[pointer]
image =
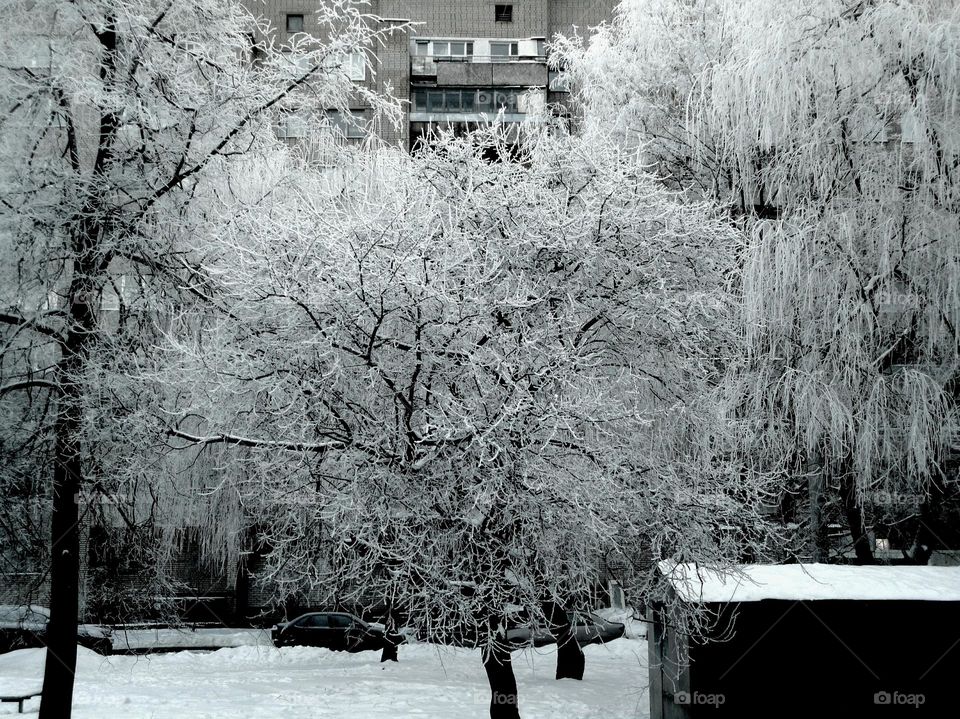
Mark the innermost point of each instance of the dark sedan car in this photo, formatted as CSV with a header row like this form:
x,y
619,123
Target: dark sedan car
x,y
333,630
588,628
23,626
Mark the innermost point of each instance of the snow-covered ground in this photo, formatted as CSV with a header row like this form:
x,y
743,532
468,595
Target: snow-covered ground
x,y
261,682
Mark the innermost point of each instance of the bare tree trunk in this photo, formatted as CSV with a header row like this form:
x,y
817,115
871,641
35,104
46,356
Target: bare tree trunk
x,y
926,539
61,637
389,653
503,683
241,590
390,638
249,558
570,659
854,515
819,538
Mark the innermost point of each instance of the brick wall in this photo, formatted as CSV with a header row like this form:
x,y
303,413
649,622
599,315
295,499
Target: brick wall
x,y
458,18
582,14
392,68
469,18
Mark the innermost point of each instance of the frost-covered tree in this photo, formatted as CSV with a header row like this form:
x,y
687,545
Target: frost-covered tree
x,y
831,128
114,117
452,384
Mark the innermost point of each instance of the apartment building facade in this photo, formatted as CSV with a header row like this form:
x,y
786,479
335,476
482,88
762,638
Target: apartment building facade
x,y
460,63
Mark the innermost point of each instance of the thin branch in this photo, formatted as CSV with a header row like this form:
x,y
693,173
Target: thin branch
x,y
255,443
28,384
21,321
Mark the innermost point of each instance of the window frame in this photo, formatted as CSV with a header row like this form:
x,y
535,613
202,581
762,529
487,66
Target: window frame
x,y
452,100
503,12
439,101
512,47
347,126
355,65
291,126
468,47
432,95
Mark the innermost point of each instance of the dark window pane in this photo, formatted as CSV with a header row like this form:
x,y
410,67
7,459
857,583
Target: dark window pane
x,y
452,100
503,13
294,23
435,102
351,125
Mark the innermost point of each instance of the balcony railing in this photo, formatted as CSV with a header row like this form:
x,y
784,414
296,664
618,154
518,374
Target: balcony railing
x,y
426,65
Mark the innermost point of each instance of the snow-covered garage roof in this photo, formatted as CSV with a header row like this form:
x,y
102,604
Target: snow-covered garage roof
x,y
755,582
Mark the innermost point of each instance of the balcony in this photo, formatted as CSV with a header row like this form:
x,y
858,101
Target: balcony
x,y
490,71
474,104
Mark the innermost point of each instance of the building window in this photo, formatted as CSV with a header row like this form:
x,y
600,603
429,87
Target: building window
x,y
450,48
348,126
301,64
468,100
503,13
435,102
291,125
294,23
355,65
423,47
504,49
558,81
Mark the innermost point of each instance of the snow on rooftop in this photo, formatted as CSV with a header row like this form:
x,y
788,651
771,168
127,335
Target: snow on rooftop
x,y
755,582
